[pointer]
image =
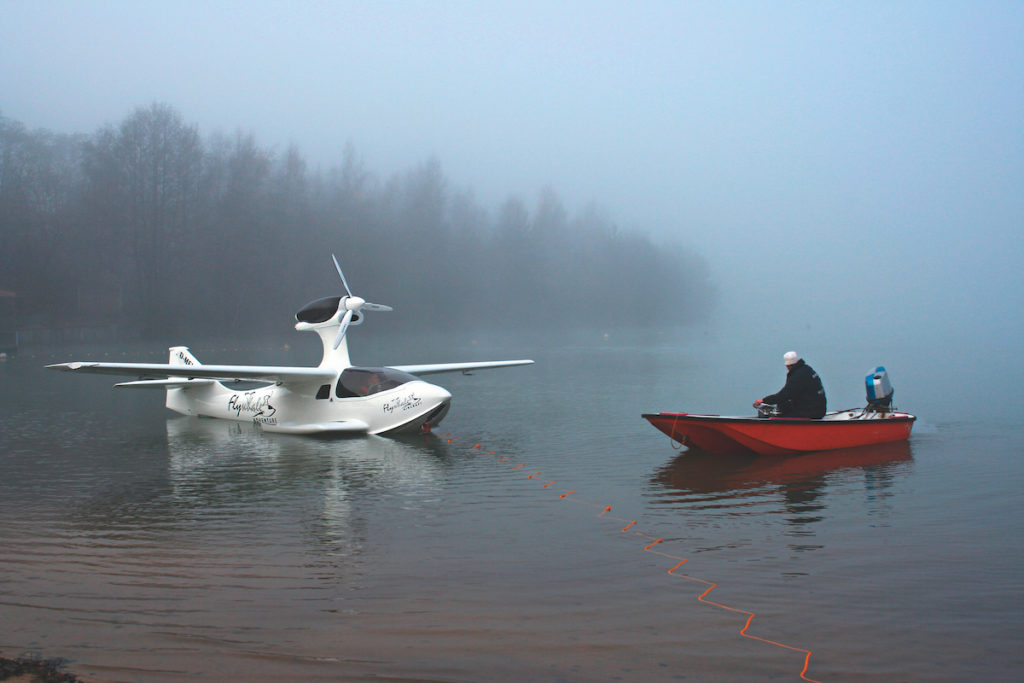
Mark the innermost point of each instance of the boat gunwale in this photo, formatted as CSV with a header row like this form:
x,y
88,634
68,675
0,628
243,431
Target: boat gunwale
x,y
753,419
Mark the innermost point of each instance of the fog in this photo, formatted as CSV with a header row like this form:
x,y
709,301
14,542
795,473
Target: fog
x,y
851,173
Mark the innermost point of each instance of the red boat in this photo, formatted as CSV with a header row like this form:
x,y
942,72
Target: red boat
x,y
768,434
784,435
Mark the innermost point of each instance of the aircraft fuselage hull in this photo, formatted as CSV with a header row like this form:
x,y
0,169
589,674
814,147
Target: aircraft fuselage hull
x,y
413,406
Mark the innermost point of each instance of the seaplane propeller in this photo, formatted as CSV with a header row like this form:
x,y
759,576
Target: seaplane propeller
x,y
351,304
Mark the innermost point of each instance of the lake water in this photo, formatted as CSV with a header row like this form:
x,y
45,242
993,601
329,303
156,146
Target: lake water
x,y
544,532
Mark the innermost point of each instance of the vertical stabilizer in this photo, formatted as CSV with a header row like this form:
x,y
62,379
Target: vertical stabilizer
x,y
187,398
180,355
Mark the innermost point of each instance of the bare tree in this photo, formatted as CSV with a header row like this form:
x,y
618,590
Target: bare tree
x,y
38,186
146,223
148,174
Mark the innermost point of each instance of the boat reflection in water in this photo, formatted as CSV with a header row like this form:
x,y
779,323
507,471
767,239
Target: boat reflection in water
x,y
793,487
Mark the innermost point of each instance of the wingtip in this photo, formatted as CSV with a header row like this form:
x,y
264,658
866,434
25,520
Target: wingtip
x,y
66,366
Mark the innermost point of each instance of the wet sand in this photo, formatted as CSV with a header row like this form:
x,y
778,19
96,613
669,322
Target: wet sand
x,y
34,671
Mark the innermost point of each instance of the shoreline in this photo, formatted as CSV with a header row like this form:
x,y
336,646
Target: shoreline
x,y
34,670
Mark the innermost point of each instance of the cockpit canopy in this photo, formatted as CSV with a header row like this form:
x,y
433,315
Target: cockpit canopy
x,y
357,382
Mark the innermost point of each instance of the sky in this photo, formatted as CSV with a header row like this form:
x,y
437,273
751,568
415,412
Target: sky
x,y
853,172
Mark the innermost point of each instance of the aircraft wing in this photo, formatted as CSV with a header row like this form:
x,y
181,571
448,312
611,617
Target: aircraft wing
x,y
432,368
238,373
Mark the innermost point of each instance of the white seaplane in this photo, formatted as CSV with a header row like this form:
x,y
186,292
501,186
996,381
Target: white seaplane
x,y
333,398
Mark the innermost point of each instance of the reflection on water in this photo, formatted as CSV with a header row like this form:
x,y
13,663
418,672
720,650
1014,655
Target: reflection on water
x,y
795,487
221,468
146,548
700,472
219,473
212,535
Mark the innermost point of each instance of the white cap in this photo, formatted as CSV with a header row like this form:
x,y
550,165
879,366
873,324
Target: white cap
x,y
790,357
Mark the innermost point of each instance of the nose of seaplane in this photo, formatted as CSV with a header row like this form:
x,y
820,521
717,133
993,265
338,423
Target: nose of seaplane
x,y
441,399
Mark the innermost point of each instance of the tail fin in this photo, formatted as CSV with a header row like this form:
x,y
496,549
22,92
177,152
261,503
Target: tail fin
x,y
180,355
180,396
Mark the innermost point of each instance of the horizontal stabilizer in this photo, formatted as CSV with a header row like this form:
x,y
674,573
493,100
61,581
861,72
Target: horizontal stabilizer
x,y
170,383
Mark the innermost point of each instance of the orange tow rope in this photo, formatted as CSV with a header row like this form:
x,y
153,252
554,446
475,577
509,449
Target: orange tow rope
x,y
649,547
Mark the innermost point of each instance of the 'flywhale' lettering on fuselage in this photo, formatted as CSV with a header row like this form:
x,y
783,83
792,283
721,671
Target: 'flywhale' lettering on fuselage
x,y
402,403
254,403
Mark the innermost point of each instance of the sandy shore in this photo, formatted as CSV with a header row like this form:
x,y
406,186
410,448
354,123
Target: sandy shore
x,y
34,671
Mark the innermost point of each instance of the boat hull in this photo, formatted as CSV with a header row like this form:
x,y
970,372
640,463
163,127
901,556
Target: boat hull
x,y
781,435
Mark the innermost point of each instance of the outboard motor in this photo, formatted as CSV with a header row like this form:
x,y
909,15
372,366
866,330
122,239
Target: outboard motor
x,y
879,390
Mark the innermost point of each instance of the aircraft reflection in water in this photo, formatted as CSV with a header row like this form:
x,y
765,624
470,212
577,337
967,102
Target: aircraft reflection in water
x,y
333,398
696,480
222,469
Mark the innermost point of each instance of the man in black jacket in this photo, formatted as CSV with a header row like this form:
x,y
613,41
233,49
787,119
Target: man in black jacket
x,y
803,395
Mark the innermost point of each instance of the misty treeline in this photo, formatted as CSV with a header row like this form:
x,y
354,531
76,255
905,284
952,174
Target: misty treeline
x,y
149,227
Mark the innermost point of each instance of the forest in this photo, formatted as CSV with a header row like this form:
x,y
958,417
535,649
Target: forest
x,y
150,229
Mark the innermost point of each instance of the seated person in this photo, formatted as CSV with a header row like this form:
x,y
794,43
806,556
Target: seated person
x,y
373,384
803,395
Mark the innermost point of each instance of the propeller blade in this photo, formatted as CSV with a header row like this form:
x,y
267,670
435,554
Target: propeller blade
x,y
351,304
376,307
344,326
343,281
